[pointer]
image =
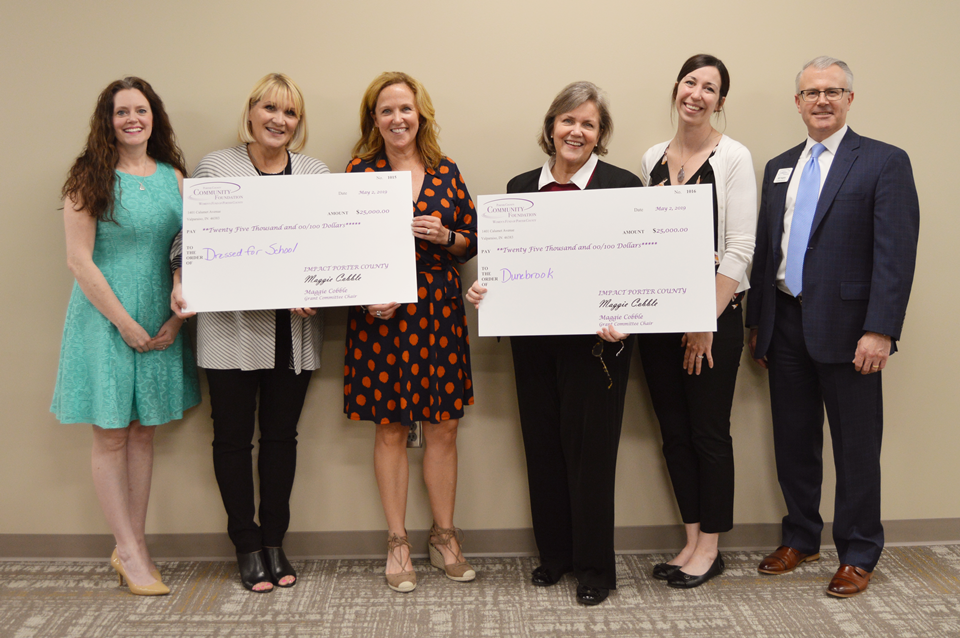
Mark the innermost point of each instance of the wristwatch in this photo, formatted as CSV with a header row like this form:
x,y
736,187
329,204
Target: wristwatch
x,y
452,239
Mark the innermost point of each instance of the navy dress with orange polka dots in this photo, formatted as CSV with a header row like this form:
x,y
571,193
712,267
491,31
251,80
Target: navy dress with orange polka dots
x,y
415,366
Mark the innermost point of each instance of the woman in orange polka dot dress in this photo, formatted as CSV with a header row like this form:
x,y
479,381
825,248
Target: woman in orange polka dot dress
x,y
411,362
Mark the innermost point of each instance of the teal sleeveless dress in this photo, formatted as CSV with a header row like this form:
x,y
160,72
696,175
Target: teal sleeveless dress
x,y
102,380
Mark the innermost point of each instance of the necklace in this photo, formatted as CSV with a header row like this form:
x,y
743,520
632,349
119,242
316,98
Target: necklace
x,y
286,169
139,178
681,176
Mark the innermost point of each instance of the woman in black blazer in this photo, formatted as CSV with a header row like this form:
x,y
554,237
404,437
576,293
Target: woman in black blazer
x,y
570,388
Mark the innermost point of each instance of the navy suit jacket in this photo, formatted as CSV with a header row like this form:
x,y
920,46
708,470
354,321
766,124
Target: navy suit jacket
x,y
861,255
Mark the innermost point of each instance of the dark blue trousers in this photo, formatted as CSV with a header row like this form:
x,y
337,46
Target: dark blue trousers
x,y
800,389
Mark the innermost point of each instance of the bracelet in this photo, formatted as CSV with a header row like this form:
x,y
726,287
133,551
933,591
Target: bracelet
x,y
452,239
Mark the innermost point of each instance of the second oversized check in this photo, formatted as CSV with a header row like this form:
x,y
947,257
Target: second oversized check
x,y
299,241
572,262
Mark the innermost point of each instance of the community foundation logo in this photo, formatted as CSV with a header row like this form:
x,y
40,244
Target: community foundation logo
x,y
210,192
508,208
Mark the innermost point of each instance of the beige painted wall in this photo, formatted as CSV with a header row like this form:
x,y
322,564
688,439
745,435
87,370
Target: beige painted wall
x,y
492,68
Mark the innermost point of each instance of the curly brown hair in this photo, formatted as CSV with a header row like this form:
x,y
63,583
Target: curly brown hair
x,y
91,178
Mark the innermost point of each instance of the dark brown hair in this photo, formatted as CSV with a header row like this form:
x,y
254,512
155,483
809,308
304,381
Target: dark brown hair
x,y
91,178
698,62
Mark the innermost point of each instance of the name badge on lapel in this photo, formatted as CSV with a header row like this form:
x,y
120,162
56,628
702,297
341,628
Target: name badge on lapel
x,y
783,175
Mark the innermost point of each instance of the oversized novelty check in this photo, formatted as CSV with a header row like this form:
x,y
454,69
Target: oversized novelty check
x,y
571,262
298,241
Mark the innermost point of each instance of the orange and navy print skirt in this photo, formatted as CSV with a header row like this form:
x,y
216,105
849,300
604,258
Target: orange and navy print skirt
x,y
414,366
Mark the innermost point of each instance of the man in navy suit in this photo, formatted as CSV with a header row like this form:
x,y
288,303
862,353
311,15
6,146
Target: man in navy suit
x,y
834,263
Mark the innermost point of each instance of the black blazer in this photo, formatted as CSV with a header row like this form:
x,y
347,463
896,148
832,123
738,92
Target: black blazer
x,y
605,176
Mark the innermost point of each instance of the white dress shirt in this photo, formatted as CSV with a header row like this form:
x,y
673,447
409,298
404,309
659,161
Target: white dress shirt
x,y
581,178
825,160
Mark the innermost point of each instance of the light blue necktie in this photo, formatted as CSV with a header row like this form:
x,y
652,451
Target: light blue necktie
x,y
803,211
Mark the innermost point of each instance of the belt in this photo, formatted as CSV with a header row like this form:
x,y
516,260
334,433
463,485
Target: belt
x,y
442,277
788,297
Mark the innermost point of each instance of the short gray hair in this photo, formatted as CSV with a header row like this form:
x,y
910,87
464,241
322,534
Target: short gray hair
x,y
825,62
570,98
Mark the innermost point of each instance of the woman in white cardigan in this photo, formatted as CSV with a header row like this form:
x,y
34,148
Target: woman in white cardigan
x,y
692,376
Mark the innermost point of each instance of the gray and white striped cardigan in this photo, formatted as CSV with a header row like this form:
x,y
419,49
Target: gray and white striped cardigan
x,y
246,340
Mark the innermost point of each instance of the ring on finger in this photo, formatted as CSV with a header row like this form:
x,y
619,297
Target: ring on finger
x,y
699,356
379,314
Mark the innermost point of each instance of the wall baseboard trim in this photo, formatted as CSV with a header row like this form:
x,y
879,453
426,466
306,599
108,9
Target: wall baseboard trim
x,y
481,542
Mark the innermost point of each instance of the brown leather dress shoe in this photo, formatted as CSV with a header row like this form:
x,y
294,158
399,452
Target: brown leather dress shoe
x,y
848,581
784,560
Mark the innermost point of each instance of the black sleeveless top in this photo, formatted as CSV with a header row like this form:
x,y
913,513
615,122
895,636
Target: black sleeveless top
x,y
660,176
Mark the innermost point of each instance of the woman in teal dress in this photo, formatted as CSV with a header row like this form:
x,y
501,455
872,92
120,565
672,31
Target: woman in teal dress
x,y
123,365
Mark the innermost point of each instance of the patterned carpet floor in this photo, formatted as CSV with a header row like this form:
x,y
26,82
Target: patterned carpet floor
x,y
914,592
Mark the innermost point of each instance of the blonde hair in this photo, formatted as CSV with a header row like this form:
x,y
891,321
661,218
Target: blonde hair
x,y
280,88
370,144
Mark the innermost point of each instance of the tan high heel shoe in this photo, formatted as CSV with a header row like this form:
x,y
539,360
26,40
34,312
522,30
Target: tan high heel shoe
x,y
404,582
441,537
156,588
115,560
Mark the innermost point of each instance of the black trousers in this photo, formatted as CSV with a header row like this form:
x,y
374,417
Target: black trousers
x,y
800,388
570,415
694,415
233,396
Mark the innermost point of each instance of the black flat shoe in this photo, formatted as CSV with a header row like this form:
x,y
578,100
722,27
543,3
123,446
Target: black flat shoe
x,y
253,571
278,566
662,571
541,577
587,595
682,580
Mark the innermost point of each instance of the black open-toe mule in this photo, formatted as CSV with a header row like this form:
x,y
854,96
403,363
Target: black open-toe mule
x,y
278,566
253,571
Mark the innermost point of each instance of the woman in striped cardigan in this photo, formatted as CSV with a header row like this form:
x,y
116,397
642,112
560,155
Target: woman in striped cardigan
x,y
270,352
